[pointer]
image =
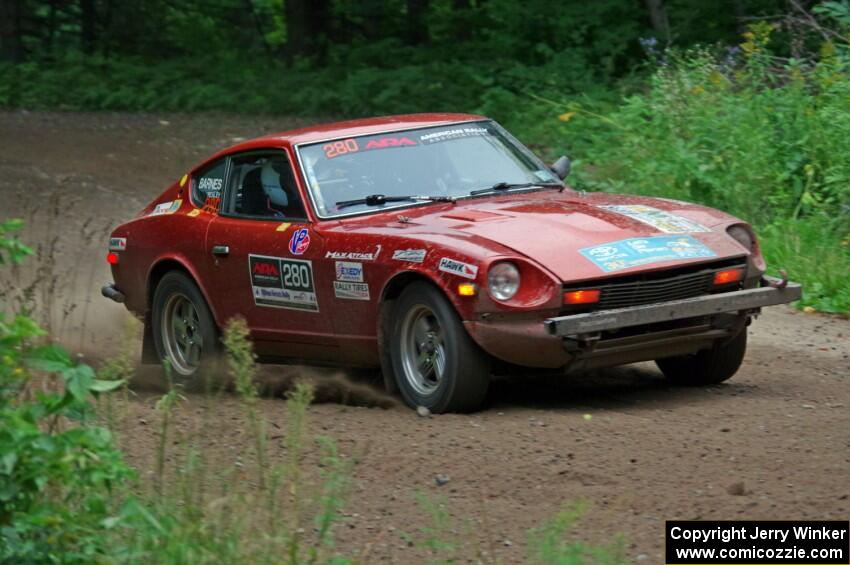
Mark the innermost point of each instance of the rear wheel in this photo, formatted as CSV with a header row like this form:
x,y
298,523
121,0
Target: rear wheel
x,y
434,361
709,366
183,329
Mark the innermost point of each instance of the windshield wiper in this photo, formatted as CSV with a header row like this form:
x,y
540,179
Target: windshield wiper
x,y
512,185
379,199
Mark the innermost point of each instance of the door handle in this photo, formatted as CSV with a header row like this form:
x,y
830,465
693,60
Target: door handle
x,y
221,250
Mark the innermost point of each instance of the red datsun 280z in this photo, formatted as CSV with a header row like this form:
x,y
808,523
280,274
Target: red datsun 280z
x,y
435,247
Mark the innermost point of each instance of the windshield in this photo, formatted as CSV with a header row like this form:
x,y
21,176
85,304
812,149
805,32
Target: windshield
x,y
438,163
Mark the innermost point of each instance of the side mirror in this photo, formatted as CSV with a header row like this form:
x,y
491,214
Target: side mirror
x,y
561,167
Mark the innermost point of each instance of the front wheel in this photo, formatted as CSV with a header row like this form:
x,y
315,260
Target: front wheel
x,y
183,328
434,361
709,366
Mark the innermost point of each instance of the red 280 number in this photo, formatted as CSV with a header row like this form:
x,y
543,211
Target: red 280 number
x,y
338,148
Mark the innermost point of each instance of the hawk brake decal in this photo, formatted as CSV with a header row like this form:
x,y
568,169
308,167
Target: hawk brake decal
x,y
638,251
299,242
283,283
351,290
458,268
659,219
409,255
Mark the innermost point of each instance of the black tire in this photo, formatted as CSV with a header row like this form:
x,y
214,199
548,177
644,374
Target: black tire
x,y
709,366
177,286
461,385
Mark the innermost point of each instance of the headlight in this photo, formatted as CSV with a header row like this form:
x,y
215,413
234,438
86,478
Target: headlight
x,y
503,281
743,236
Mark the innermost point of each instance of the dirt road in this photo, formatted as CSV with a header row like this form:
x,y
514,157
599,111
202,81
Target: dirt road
x,y
773,443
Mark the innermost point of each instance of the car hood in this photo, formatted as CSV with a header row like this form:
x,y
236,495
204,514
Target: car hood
x,y
553,228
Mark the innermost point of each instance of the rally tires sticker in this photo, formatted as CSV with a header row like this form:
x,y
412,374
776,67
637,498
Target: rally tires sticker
x,y
277,282
351,290
628,253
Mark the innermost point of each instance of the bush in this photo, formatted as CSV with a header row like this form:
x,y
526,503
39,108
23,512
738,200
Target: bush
x,y
746,132
57,470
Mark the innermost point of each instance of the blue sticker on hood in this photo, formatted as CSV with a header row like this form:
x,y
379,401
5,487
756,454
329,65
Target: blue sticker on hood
x,y
637,251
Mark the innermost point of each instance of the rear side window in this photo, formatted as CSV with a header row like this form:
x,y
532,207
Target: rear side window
x,y
208,183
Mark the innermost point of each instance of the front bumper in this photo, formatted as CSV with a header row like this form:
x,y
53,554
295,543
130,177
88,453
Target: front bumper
x,y
773,291
626,335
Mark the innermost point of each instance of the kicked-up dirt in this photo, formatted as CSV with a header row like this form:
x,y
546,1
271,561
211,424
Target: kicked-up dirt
x,y
772,443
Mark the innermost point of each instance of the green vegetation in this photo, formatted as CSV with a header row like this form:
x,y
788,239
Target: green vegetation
x,y
68,496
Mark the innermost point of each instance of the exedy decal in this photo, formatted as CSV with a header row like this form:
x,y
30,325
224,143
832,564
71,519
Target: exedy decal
x,y
458,268
282,283
349,271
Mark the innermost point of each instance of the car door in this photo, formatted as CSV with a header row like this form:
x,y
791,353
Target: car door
x,y
266,258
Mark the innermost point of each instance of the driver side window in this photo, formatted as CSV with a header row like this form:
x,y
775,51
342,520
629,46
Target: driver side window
x,y
262,185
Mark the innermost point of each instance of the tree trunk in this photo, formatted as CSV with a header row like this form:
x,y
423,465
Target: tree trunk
x,y
10,31
88,26
417,30
305,26
658,19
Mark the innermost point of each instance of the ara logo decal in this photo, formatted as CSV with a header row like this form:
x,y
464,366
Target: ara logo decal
x,y
458,268
267,269
299,242
385,142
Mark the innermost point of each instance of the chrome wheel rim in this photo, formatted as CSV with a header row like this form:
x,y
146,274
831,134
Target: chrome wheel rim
x,y
423,350
181,331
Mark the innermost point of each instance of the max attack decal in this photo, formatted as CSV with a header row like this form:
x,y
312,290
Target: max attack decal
x,y
637,251
299,242
348,271
166,208
351,290
409,255
117,243
457,268
659,219
282,283
194,213
354,255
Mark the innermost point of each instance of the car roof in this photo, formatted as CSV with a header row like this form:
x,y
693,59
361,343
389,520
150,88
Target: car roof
x,y
367,126
348,128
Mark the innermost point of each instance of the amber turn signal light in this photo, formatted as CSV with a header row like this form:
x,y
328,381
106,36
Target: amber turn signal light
x,y
581,297
112,258
467,289
728,276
